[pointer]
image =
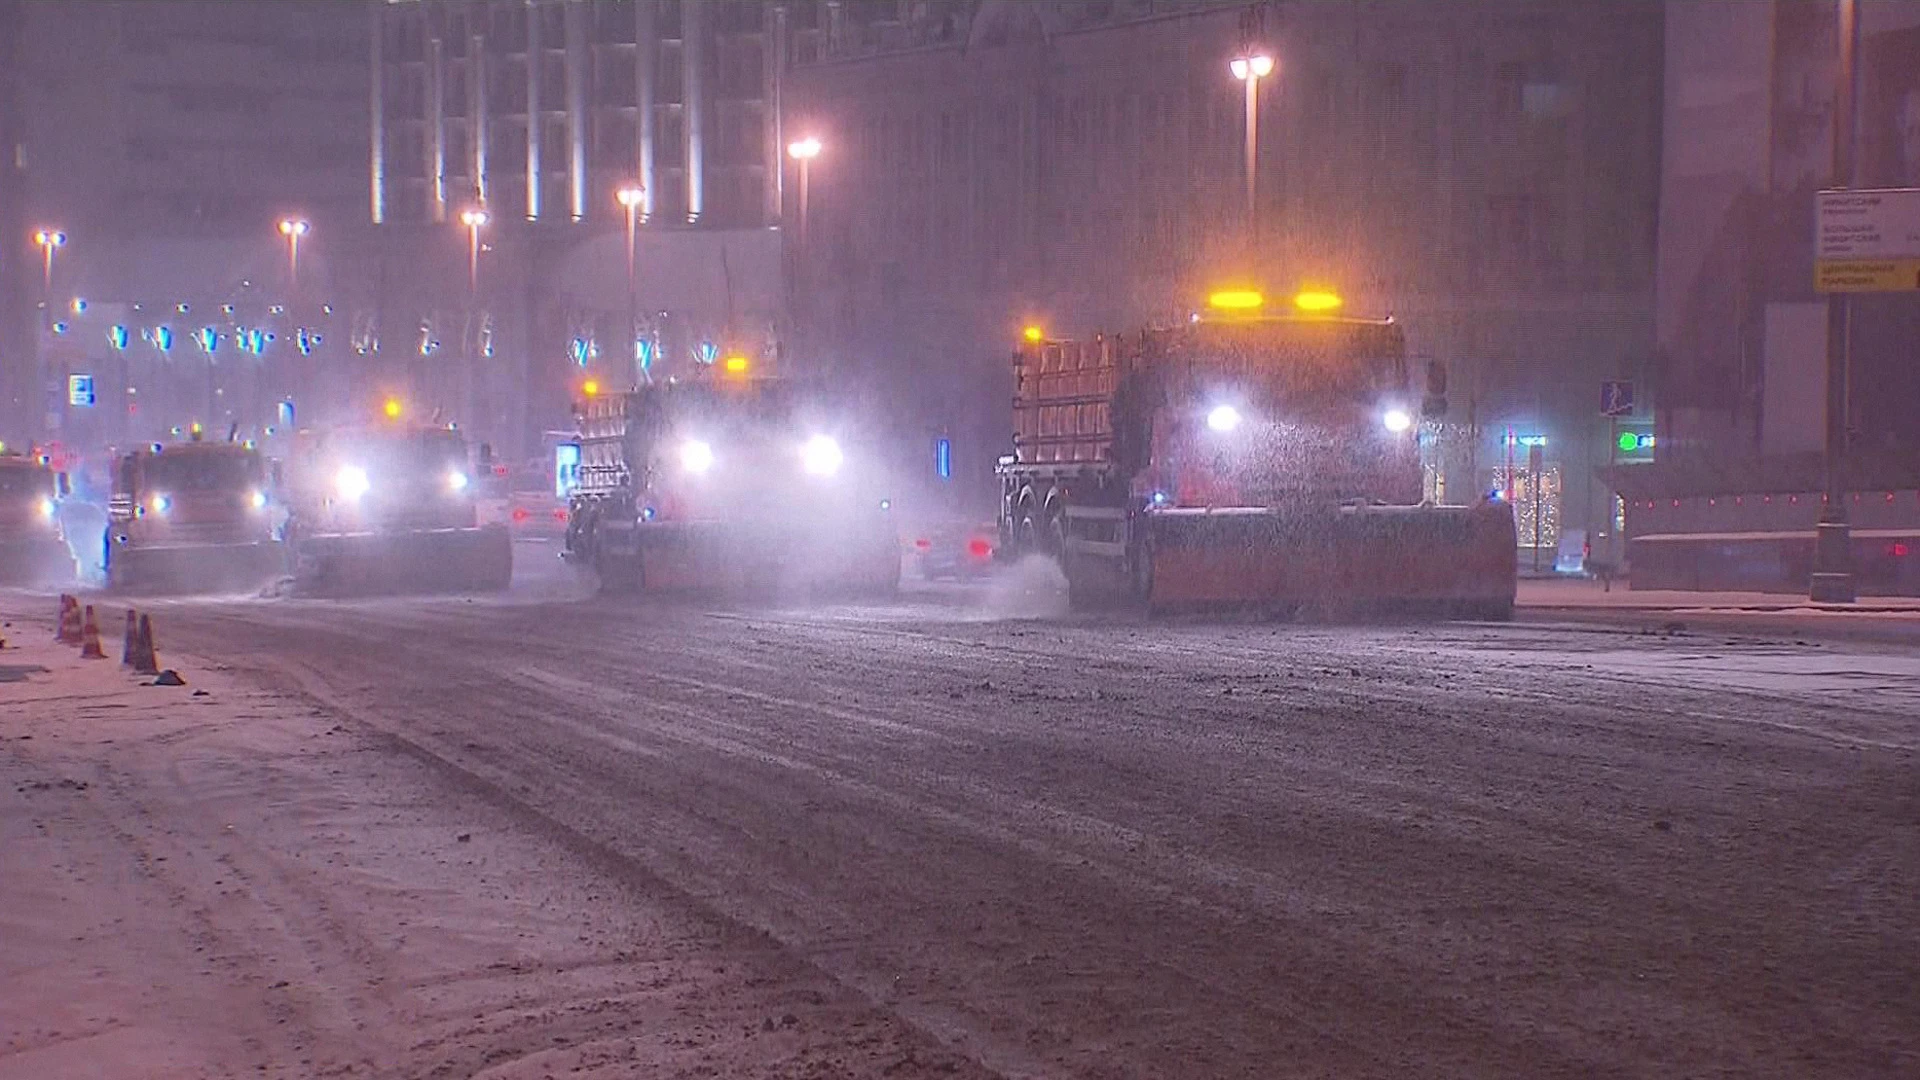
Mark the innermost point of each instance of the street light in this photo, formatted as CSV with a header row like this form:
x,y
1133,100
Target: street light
x,y
1250,69
630,196
293,229
804,151
50,240
474,219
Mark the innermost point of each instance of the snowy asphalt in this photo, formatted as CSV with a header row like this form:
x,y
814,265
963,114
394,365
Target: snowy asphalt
x,y
1105,847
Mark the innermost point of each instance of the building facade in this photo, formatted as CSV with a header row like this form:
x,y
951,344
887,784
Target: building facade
x,y
1485,172
543,110
164,142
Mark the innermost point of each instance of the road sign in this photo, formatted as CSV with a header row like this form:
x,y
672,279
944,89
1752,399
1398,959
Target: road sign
x,y
1616,398
80,390
1867,241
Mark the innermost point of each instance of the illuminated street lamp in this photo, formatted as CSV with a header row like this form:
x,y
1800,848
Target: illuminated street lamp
x,y
1250,69
50,241
293,229
630,197
804,151
474,219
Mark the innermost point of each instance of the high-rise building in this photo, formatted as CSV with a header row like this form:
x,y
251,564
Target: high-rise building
x,y
543,109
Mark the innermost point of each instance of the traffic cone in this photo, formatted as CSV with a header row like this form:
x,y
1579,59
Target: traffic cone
x,y
144,660
130,644
68,632
90,638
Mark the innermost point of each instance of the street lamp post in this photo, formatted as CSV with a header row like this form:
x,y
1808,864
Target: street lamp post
x,y
474,219
293,229
630,197
1832,577
50,241
1250,69
804,151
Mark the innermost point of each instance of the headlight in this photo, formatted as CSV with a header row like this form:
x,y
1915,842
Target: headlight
x,y
160,504
351,482
1397,420
696,456
456,481
821,456
1223,418
258,500
46,508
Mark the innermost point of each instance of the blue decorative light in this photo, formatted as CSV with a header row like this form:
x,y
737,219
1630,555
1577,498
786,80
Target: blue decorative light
x,y
943,458
209,339
117,335
707,352
59,328
163,337
644,351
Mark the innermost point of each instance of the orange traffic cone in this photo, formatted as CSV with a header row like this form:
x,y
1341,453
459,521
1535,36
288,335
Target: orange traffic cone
x,y
90,638
130,644
144,660
68,632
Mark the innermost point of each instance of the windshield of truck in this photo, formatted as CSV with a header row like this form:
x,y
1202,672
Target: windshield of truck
x,y
202,471
432,450
1302,368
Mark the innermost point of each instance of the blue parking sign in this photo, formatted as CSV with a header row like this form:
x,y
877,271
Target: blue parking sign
x,y
80,390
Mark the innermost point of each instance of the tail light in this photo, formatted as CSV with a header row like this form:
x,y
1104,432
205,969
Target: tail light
x,y
520,513
923,543
559,515
1898,549
979,547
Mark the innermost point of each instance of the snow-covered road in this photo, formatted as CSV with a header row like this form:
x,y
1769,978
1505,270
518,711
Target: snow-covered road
x,y
914,840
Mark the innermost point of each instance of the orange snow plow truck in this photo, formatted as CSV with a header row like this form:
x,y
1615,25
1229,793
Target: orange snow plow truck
x,y
1244,460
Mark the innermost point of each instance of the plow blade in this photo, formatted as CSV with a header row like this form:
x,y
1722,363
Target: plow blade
x,y
200,568
41,560
731,559
420,561
1439,560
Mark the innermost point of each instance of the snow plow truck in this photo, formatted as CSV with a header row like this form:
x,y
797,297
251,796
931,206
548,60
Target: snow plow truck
x,y
388,508
729,483
32,549
1244,459
191,517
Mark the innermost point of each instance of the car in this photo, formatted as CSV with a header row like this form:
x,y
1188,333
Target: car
x,y
952,551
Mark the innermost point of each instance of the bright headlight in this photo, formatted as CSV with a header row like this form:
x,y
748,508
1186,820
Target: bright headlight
x,y
457,481
160,504
1397,420
351,482
696,456
821,456
258,500
1223,418
46,508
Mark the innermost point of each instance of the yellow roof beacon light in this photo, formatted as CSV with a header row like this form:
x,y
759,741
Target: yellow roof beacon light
x,y
392,408
735,365
1241,300
1033,334
1317,301
590,388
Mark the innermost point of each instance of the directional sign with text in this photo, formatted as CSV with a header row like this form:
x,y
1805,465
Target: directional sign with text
x,y
1867,241
80,390
1616,398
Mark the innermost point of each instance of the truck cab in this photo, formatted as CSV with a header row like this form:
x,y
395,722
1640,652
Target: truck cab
x,y
31,545
191,515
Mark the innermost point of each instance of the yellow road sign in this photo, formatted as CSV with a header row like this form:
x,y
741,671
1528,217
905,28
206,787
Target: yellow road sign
x,y
1866,275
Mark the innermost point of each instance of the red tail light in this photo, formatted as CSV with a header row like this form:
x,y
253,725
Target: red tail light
x,y
979,547
559,515
923,543
1898,549
520,514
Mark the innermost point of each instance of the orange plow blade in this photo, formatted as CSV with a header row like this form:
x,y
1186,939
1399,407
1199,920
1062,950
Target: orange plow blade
x,y
1446,560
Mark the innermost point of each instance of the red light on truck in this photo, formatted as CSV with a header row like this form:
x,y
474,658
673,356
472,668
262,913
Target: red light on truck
x,y
1898,549
923,543
520,513
979,547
